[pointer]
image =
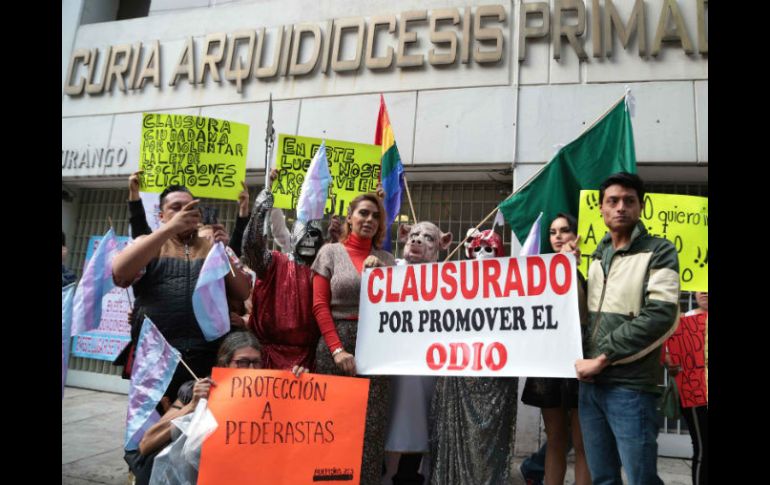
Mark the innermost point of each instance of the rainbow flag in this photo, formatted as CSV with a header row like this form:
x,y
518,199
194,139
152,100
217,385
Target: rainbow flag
x,y
391,172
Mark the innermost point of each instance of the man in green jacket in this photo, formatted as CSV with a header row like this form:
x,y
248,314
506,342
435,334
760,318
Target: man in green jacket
x,y
633,305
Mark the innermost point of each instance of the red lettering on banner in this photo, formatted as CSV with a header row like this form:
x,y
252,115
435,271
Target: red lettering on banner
x,y
686,347
432,363
561,260
477,356
390,297
469,293
492,272
428,295
453,350
502,356
410,285
375,297
535,262
495,357
513,279
449,291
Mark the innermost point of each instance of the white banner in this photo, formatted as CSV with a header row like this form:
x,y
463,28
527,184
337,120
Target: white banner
x,y
492,317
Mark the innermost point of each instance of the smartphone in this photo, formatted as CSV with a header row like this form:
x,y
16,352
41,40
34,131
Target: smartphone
x,y
210,215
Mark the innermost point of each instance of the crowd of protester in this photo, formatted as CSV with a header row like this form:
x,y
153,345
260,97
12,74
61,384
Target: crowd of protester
x,y
296,309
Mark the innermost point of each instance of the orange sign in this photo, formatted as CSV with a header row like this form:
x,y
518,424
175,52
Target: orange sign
x,y
279,429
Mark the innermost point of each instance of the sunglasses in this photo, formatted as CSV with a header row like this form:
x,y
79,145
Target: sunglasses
x,y
486,249
246,363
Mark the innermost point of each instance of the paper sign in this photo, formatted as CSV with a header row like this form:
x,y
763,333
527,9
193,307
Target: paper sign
x,y
114,332
151,204
682,219
686,348
206,155
494,317
278,429
354,167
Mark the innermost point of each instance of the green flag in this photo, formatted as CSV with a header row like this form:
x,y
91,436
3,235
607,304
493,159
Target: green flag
x,y
604,149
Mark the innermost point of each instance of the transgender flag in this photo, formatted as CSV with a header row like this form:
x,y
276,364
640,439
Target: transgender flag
x,y
531,246
95,283
391,171
209,298
315,188
155,362
66,327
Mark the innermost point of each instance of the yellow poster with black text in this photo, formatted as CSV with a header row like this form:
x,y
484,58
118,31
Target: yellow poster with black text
x,y
354,167
682,219
206,155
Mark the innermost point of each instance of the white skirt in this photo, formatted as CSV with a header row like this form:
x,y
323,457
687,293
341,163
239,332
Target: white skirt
x,y
409,409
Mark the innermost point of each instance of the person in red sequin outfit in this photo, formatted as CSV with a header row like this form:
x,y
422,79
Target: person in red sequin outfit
x,y
282,298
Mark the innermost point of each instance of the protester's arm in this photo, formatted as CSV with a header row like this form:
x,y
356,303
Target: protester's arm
x,y
334,232
280,232
219,234
255,251
278,229
322,312
133,186
137,217
238,281
236,237
129,262
159,434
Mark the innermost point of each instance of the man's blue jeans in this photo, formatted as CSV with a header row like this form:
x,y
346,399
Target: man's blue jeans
x,y
619,426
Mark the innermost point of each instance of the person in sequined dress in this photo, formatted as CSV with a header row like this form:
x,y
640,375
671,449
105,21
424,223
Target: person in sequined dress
x,y
473,419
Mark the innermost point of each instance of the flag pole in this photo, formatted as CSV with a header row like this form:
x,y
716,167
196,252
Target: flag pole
x,y
409,197
128,296
605,114
549,161
229,264
525,184
109,219
188,368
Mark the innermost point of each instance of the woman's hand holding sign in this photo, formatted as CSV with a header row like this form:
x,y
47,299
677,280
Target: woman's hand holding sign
x,y
345,362
372,262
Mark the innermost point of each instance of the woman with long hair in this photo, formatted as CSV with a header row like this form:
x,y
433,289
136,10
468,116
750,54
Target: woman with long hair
x,y
558,397
336,289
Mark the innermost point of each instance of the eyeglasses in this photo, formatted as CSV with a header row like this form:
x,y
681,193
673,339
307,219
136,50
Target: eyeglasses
x,y
246,363
486,249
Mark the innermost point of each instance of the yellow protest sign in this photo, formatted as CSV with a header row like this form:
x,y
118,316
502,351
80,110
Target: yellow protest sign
x,y
206,155
354,167
682,219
